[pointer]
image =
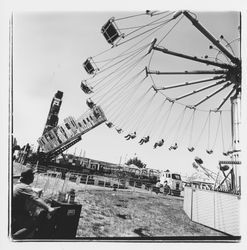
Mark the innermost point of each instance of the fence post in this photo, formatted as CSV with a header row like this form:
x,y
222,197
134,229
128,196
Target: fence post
x,y
78,181
191,203
37,178
85,185
47,182
126,183
67,176
214,209
56,181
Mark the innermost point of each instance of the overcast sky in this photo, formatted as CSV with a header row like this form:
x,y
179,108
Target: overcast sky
x,y
49,49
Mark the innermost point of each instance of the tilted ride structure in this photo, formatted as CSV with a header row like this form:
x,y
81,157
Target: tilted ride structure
x,y
59,138
135,83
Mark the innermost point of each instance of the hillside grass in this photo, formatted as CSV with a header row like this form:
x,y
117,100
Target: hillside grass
x,y
133,214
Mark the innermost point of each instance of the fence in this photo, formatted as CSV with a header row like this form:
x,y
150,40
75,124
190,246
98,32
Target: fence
x,y
53,182
217,210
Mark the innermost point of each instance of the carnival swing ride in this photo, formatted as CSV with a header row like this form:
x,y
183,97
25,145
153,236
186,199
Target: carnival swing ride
x,y
134,87
139,97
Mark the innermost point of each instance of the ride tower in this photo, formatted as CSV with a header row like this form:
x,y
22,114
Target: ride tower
x,y
52,118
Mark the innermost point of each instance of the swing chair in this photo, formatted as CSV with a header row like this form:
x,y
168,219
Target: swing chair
x,y
90,66
225,152
210,151
130,136
90,103
85,88
110,31
150,13
159,143
198,160
119,130
96,113
109,124
167,114
174,147
145,139
191,149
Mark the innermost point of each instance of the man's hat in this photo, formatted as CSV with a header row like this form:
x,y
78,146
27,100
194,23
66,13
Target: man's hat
x,y
27,173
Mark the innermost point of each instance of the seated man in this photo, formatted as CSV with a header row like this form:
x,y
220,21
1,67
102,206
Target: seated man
x,y
174,147
133,135
119,130
144,140
25,204
209,151
109,124
191,149
159,143
130,136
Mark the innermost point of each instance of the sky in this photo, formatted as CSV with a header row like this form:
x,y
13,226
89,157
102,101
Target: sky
x,y
48,53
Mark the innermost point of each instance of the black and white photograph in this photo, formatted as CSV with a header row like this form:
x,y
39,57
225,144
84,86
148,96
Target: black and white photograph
x,y
125,125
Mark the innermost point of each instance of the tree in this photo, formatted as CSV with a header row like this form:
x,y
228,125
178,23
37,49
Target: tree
x,y
137,162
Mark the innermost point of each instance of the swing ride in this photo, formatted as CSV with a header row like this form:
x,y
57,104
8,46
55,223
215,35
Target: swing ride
x,y
225,179
127,93
120,90
129,82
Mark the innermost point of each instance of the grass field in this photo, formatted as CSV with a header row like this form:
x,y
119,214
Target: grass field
x,y
132,214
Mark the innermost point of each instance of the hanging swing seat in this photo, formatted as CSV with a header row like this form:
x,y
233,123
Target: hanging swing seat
x,y
110,31
85,88
90,103
130,136
119,130
195,165
159,143
209,151
191,149
109,124
90,66
145,139
173,147
198,160
96,114
224,168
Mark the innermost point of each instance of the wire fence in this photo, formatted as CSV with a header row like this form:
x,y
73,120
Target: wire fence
x,y
52,183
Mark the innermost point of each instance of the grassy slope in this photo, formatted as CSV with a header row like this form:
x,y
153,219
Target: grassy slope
x,y
122,214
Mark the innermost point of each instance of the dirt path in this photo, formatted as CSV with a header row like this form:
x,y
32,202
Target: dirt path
x,y
131,214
